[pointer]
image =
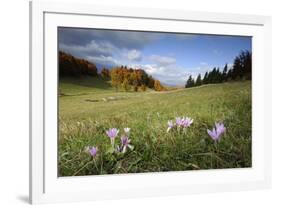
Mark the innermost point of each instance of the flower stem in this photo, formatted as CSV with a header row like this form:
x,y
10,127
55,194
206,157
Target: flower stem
x,y
101,166
95,163
81,168
112,142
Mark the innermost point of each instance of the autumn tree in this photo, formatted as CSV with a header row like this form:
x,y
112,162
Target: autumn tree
x,y
127,78
125,85
134,81
158,86
105,73
115,79
150,82
75,67
143,87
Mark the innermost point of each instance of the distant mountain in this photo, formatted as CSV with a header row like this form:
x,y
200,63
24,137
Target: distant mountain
x,y
172,85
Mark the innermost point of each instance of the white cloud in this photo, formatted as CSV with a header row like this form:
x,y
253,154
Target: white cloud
x,y
203,63
162,60
93,48
134,55
173,74
230,66
169,75
103,52
104,60
121,39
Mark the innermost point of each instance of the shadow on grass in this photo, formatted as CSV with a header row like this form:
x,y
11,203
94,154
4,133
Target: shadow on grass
x,y
86,81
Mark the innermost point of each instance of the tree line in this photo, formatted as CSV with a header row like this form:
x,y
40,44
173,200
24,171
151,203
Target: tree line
x,y
75,67
133,79
121,77
125,78
241,70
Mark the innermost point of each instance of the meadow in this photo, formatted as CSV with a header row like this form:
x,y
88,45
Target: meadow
x,y
89,106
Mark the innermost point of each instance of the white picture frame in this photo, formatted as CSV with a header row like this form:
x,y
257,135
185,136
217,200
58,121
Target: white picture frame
x,y
46,186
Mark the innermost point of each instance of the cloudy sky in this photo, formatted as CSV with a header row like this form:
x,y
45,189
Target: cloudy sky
x,y
169,57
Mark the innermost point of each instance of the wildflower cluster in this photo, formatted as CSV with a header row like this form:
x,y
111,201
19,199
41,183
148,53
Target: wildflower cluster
x,y
185,122
180,123
112,133
217,131
125,142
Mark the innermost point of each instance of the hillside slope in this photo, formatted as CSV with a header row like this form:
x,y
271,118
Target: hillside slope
x,y
83,85
85,118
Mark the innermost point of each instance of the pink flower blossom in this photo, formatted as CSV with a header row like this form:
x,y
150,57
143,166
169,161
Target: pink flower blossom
x,y
125,143
184,122
112,133
170,125
92,151
217,131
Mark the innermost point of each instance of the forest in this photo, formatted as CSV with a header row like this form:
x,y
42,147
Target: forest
x,y
121,77
129,79
241,70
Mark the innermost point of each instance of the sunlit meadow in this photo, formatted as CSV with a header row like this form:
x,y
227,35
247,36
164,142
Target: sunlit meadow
x,y
102,131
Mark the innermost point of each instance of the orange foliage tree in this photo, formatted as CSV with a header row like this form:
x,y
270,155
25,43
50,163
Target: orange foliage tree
x,y
138,79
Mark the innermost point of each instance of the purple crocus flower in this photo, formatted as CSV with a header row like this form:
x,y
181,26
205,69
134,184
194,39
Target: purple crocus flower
x,y
170,125
220,128
112,133
178,121
217,131
125,142
92,151
184,122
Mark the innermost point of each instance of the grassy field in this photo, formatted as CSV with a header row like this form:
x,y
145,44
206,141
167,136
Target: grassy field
x,y
89,106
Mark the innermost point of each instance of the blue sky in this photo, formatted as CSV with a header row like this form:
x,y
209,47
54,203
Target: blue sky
x,y
169,57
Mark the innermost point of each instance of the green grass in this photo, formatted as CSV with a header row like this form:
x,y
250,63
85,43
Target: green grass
x,y
89,106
